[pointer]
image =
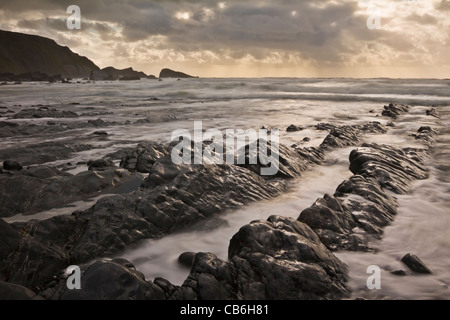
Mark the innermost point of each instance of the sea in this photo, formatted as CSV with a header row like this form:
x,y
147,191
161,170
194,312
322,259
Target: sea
x,y
150,110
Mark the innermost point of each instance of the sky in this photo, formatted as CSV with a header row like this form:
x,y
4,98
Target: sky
x,y
255,38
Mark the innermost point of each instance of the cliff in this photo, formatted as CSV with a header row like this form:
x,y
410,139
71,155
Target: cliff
x,y
22,53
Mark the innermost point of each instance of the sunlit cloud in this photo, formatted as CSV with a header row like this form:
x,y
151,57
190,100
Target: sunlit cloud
x,y
183,15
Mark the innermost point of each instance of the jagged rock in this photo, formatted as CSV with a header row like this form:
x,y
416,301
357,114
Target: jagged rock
x,y
432,112
425,134
114,280
333,225
394,110
277,259
281,259
415,264
210,279
293,128
345,136
291,163
360,208
392,167
12,165
143,157
325,126
340,137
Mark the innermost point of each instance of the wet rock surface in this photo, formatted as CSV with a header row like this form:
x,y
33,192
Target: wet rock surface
x,y
361,207
280,258
43,188
12,165
114,280
415,264
42,152
394,110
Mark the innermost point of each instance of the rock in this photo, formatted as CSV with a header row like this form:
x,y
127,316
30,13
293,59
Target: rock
x,y
8,124
143,157
97,123
306,139
293,128
394,110
9,240
283,259
425,129
168,73
10,291
415,264
432,112
425,134
399,272
277,259
210,279
100,133
43,188
43,172
345,136
394,168
100,164
360,208
44,112
124,74
291,162
333,224
340,137
187,259
325,126
114,280
42,152
12,165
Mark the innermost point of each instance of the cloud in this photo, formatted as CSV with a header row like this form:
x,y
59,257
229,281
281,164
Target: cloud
x,y
319,34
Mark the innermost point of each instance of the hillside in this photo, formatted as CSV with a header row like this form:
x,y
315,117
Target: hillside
x,y
22,53
168,73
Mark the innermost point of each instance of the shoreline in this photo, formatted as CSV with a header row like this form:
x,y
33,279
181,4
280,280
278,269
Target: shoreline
x,y
342,137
